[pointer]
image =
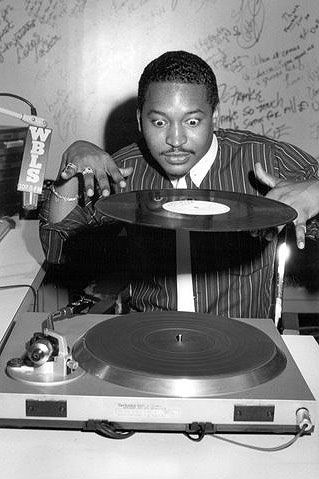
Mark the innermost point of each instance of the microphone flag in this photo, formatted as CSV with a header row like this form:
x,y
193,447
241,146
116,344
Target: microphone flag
x,y
34,161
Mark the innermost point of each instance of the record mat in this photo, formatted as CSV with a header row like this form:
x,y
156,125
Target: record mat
x,y
196,210
179,353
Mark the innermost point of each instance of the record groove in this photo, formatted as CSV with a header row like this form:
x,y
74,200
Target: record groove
x,y
179,354
233,211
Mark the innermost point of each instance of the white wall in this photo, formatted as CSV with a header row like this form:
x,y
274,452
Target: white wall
x,y
78,60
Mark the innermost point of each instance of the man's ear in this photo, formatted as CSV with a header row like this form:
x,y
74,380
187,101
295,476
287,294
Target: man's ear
x,y
139,120
216,117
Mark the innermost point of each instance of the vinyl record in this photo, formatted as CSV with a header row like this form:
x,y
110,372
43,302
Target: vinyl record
x,y
196,210
179,354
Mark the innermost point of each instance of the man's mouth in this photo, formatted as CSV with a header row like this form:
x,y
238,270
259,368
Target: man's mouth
x,y
177,157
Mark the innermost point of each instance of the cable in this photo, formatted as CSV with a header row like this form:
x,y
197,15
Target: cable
x,y
197,431
33,109
195,436
35,296
108,429
265,449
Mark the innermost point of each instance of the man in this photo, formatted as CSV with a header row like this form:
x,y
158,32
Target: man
x,y
232,274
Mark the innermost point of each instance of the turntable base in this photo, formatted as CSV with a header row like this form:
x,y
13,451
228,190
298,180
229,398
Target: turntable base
x,y
269,404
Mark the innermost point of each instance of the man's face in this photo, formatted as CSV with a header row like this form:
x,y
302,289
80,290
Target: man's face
x,y
177,123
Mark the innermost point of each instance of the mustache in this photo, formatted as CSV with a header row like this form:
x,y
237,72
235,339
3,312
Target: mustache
x,y
175,151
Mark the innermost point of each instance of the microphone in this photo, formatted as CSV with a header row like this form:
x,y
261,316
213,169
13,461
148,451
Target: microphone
x,y
35,158
35,155
29,119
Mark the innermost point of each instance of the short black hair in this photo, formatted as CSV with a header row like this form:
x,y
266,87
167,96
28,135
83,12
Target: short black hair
x,y
179,67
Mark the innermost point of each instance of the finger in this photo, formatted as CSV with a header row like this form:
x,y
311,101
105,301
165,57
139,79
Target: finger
x,y
88,177
125,173
64,161
300,235
265,177
103,182
69,171
118,174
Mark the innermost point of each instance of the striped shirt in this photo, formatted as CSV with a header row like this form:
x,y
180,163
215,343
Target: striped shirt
x,y
233,273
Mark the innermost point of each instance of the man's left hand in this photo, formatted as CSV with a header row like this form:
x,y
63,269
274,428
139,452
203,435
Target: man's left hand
x,y
303,196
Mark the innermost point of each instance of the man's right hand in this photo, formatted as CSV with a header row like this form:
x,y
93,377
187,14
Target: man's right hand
x,y
83,157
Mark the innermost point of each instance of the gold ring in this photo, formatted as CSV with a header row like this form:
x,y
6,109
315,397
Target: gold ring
x,y
71,165
87,171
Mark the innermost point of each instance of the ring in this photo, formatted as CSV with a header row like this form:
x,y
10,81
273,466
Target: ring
x,y
71,165
87,171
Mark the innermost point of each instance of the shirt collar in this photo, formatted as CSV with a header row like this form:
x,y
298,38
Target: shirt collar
x,y
202,167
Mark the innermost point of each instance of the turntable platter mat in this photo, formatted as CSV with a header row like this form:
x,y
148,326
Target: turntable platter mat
x,y
179,354
196,210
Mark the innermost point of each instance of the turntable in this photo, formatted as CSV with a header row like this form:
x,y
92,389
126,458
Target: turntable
x,y
157,371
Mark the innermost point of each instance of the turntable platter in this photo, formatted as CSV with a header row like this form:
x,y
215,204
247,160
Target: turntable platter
x,y
196,210
179,354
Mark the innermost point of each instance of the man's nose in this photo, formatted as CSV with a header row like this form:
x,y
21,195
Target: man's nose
x,y
176,136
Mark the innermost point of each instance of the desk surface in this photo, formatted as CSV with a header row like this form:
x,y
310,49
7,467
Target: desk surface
x,y
21,259
75,454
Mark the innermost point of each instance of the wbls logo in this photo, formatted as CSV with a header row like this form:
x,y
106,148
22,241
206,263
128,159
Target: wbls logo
x,y
34,159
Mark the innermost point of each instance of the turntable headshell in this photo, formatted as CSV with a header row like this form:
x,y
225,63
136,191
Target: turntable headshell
x,y
47,359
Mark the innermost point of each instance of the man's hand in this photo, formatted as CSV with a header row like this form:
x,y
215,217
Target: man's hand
x,y
303,196
83,157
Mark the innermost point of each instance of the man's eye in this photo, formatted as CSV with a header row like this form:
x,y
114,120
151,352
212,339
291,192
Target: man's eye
x,y
159,123
193,122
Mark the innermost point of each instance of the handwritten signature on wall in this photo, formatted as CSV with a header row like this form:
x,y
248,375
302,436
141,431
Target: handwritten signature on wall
x,y
35,33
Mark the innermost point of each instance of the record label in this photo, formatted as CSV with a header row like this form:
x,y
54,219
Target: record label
x,y
195,207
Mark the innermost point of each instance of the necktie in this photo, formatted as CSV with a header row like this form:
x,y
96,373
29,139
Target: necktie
x,y
185,295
